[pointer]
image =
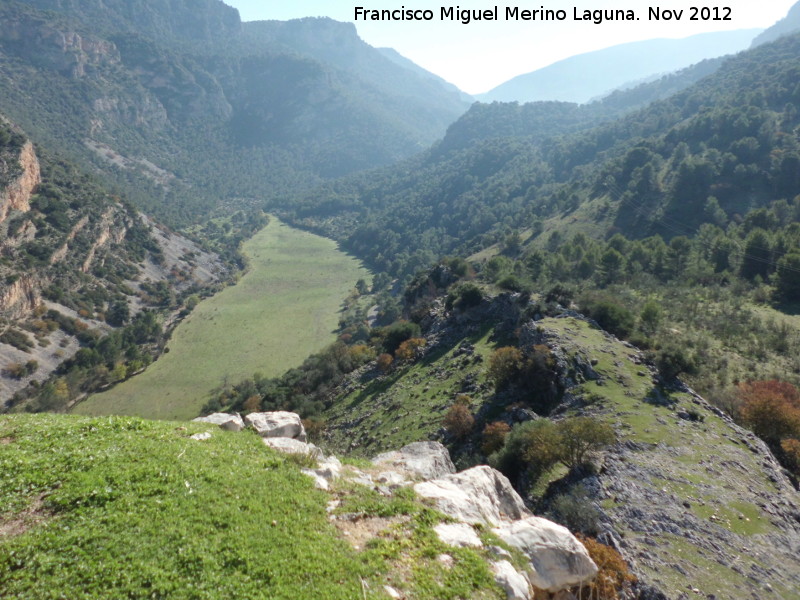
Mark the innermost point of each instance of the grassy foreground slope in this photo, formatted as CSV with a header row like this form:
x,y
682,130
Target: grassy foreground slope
x,y
283,309
125,508
120,507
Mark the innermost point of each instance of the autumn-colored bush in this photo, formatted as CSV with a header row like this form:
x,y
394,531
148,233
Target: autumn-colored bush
x,y
613,576
459,421
408,349
252,404
385,362
771,409
494,437
504,365
791,455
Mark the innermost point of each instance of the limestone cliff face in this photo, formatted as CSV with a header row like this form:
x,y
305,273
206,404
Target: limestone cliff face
x,y
20,298
17,195
66,51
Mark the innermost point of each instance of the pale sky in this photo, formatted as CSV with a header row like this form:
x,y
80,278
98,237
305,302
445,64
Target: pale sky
x,y
482,55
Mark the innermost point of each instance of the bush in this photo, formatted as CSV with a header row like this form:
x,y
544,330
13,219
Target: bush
x,y
504,366
791,455
459,421
385,362
464,296
673,360
575,511
771,409
579,436
408,349
397,333
610,315
494,437
613,577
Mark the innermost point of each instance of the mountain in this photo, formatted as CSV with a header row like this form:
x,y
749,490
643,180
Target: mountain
x,y
203,94
515,165
789,24
586,76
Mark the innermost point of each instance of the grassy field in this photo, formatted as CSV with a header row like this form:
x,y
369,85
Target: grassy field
x,y
120,507
283,309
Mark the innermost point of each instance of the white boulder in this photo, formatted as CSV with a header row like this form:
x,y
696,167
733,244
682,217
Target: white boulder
x,y
292,446
201,437
477,495
458,534
277,424
558,561
424,459
224,421
513,582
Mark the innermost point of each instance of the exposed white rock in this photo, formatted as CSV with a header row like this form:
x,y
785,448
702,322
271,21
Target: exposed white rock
x,y
292,446
391,478
392,593
458,534
558,561
477,495
447,560
424,459
319,482
201,436
514,583
277,424
224,420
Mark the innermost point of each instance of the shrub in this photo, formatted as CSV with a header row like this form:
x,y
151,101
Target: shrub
x,y
575,511
385,362
791,455
464,296
459,421
610,315
613,577
397,333
408,349
580,436
771,409
504,365
494,437
673,360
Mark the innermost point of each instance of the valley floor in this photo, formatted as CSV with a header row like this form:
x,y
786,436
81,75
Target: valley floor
x,y
284,308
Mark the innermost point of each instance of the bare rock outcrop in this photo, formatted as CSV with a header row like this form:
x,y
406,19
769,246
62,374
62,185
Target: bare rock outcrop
x,y
278,424
558,560
17,194
477,495
224,421
20,298
422,459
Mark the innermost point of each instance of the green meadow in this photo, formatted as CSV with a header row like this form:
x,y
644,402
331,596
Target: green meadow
x,y
284,308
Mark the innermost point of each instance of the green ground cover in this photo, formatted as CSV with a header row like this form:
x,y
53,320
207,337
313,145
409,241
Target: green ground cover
x,y
120,507
283,309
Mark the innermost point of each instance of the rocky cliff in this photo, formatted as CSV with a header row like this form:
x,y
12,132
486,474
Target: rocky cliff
x,y
696,505
16,195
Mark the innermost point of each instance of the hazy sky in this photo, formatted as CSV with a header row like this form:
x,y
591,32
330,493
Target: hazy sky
x,y
481,55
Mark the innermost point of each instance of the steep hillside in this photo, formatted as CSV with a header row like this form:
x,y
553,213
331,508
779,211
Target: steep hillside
x,y
163,104
693,501
587,76
731,136
79,267
786,26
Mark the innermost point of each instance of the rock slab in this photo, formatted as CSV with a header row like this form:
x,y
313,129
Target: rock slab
x,y
558,561
277,424
428,460
224,421
477,495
